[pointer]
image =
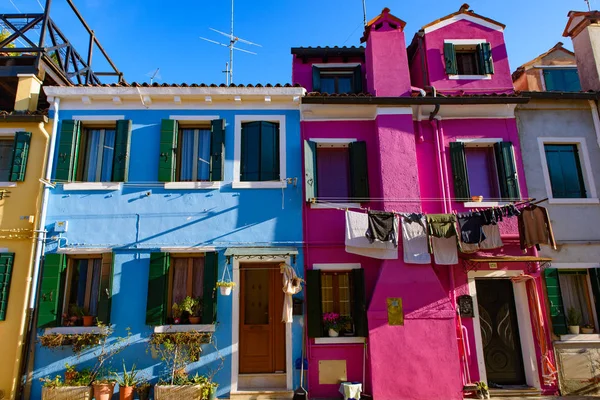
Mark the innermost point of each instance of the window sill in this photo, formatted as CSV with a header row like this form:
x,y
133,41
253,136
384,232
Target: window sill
x,y
581,338
340,340
93,186
259,185
334,205
574,201
480,204
470,77
183,328
192,185
8,184
75,330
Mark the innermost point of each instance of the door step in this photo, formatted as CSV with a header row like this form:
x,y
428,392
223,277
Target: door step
x,y
262,394
262,381
515,391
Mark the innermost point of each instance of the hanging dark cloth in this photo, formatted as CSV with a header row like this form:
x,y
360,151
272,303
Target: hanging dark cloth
x,y
381,227
471,227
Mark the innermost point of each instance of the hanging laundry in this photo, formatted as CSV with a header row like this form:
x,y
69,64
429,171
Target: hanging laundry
x,y
493,240
535,227
356,241
291,285
382,227
443,238
414,239
471,228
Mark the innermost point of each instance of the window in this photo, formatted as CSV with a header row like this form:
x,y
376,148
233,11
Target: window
x,y
6,148
13,157
187,279
6,267
468,59
336,170
572,291
337,80
339,291
564,170
260,152
83,286
93,153
563,80
98,156
484,169
194,155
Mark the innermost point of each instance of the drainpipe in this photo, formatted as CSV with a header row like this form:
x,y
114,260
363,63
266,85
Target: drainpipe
x,y
446,180
438,156
39,249
418,89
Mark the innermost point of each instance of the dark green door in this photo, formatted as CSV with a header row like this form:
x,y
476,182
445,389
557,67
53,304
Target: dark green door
x,y
500,332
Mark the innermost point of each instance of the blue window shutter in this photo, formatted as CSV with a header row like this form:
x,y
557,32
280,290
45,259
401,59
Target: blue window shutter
x,y
564,168
571,79
563,80
316,79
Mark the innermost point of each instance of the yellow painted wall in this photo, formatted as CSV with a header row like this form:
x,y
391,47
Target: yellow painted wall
x,y
22,201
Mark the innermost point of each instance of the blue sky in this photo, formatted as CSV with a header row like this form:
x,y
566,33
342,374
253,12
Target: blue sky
x,y
142,35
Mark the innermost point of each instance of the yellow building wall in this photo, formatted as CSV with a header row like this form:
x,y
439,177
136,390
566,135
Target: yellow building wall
x,y
16,236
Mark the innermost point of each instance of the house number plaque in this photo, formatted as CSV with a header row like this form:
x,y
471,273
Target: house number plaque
x,y
465,306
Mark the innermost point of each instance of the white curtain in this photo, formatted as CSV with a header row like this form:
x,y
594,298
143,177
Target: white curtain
x,y
108,153
575,294
92,152
291,286
203,154
187,155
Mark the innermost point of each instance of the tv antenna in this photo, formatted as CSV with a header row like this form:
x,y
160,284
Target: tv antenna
x,y
364,4
588,4
154,75
231,46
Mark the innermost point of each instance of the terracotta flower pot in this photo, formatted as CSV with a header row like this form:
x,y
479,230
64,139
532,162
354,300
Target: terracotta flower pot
x,y
225,290
477,199
126,392
587,331
194,320
88,320
103,391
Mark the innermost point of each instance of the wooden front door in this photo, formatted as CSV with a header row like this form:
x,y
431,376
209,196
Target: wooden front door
x,y
500,332
262,334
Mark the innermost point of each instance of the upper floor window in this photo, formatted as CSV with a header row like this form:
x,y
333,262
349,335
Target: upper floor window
x,y
95,153
484,169
337,80
561,79
260,152
564,169
191,152
14,153
464,58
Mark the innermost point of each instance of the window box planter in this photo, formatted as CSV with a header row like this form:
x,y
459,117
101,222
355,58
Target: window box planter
x,y
67,393
172,392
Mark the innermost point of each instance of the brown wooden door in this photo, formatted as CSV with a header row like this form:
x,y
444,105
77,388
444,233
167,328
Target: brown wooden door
x,y
262,334
500,332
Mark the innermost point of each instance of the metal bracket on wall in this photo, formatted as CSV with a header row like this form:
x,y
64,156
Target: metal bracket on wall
x,y
4,193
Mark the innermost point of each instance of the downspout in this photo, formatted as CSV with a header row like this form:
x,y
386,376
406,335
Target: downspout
x,y
445,165
39,249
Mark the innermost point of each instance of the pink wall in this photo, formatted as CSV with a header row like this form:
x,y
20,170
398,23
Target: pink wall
x,y
387,63
434,43
418,68
302,71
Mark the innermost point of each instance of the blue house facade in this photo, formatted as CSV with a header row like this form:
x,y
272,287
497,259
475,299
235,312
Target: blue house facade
x,y
161,191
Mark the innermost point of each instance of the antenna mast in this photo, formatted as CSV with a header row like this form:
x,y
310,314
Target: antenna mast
x,y
588,4
364,2
231,46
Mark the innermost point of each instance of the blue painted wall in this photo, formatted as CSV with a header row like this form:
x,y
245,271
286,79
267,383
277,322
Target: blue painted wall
x,y
135,224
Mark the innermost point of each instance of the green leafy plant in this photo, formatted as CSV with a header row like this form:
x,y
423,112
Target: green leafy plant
x,y
483,390
52,383
573,317
176,310
129,378
225,284
188,305
77,341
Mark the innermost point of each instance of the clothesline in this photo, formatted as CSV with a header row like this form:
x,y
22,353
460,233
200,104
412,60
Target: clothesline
x,y
404,199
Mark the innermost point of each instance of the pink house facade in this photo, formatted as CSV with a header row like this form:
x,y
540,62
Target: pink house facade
x,y
424,129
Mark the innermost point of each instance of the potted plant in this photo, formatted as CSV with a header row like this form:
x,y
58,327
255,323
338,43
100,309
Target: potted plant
x,y
74,317
70,373
176,313
477,199
225,287
103,388
127,382
587,329
574,320
88,320
193,308
77,388
332,323
209,391
482,390
143,390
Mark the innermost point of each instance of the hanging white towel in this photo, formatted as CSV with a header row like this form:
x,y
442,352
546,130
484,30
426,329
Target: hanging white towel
x,y
357,243
492,238
445,251
291,285
414,241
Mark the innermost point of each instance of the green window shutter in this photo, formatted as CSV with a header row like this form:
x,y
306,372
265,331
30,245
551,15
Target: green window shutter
x,y
486,64
168,147
595,280
209,305
158,279
51,290
250,158
105,292
260,152
557,311
310,169
217,149
571,78
68,151
269,151
450,59
19,156
507,171
361,325
316,79
459,171
359,174
120,171
6,266
358,79
549,80
564,169
314,315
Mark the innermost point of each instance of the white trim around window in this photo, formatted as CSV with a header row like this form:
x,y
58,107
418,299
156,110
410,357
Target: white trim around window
x,y
470,77
75,330
584,158
199,185
106,186
101,118
337,266
237,153
8,184
479,142
183,328
465,42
